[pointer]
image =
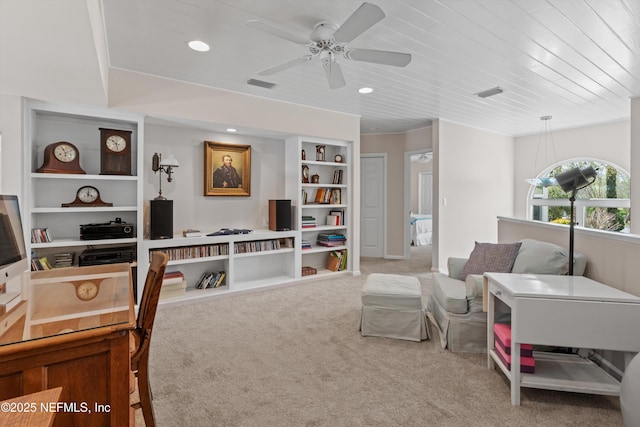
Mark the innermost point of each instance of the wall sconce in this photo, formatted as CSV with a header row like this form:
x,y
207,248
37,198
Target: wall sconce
x,y
165,165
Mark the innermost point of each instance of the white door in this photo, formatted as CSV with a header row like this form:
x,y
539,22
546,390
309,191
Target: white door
x,y
372,195
425,192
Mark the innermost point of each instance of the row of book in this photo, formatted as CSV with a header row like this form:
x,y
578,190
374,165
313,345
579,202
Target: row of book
x,y
211,279
337,176
331,196
308,221
188,252
173,284
40,235
335,217
262,245
39,264
337,260
331,239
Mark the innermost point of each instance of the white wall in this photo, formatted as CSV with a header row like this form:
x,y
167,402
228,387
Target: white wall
x,y
609,142
11,149
634,158
191,208
473,184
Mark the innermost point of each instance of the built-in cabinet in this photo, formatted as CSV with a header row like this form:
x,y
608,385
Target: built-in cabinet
x,y
318,185
45,193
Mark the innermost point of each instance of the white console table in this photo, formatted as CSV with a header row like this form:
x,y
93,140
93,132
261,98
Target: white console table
x,y
563,311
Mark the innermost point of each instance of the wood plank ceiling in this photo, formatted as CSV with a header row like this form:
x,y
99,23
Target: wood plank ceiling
x,y
577,60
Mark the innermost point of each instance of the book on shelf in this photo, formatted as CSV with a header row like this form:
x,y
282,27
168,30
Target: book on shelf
x,y
308,221
173,290
331,239
182,284
8,301
339,213
190,232
40,235
337,176
331,196
333,220
172,277
306,244
64,259
337,260
39,264
211,280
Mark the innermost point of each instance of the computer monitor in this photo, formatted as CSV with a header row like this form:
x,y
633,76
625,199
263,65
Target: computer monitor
x,y
13,252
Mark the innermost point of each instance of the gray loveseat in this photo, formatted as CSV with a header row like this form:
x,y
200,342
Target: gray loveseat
x,y
455,304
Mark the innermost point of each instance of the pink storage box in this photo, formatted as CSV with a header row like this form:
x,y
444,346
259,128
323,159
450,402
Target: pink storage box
x,y
527,364
502,334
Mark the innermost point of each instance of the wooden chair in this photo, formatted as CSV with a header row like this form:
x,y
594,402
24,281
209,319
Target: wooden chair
x,y
141,335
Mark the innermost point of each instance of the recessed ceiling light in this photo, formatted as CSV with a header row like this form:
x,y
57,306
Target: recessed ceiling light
x,y
232,130
198,46
365,90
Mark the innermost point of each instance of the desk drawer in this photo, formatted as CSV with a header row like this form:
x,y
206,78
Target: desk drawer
x,y
500,293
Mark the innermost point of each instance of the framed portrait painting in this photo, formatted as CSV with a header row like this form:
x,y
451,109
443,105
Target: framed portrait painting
x,y
227,169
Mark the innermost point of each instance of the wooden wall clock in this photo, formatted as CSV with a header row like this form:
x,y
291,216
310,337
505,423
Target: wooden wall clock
x,y
87,196
61,157
88,289
115,152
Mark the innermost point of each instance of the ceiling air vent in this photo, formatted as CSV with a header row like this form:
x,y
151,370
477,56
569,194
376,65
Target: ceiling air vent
x,y
489,92
261,83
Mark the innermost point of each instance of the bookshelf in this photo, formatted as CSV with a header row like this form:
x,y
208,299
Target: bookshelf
x,y
258,259
318,186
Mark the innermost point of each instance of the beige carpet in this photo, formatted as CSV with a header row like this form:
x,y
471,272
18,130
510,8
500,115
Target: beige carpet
x,y
293,356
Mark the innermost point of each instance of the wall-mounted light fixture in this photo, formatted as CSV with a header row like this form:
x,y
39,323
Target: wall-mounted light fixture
x,y
165,165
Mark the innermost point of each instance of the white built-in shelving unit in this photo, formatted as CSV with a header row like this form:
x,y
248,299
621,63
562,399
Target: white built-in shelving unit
x,y
44,193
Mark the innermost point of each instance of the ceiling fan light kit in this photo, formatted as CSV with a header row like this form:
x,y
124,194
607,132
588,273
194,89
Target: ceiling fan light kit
x,y
328,40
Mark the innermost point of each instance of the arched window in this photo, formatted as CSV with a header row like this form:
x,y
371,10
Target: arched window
x,y
603,205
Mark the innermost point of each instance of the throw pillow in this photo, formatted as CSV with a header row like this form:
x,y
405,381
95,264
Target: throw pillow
x,y
537,257
491,257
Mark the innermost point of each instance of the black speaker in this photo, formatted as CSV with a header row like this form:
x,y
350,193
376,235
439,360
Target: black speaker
x,y
161,219
280,215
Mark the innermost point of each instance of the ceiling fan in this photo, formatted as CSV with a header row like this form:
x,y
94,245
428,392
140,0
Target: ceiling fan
x,y
327,41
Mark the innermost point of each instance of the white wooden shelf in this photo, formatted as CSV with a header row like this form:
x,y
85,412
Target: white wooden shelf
x,y
565,372
92,177
84,210
62,243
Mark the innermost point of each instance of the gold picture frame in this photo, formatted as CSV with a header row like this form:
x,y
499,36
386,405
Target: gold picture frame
x,y
232,178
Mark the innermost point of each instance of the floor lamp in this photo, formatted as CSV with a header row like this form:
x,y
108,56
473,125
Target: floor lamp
x,y
572,181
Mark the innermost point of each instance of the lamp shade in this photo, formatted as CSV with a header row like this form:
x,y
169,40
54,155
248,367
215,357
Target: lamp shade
x,y
169,160
576,178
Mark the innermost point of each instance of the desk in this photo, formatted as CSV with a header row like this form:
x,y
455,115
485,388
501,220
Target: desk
x,y
562,311
31,410
64,334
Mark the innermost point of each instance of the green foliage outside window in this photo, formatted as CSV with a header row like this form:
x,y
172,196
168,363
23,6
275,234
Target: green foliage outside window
x,y
610,183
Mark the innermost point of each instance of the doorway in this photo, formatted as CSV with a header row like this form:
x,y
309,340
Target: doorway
x,y
418,202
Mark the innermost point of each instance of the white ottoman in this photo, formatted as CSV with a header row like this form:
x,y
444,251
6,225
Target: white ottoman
x,y
392,307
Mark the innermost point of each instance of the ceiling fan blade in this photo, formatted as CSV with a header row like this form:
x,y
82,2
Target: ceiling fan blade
x,y
268,28
361,20
285,65
379,56
334,74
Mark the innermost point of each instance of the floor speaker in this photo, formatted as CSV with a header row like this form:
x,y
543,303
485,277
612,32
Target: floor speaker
x,y
280,215
161,219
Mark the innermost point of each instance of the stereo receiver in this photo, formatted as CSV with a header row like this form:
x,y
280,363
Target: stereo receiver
x,y
109,230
